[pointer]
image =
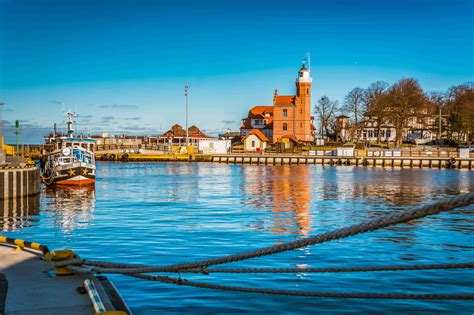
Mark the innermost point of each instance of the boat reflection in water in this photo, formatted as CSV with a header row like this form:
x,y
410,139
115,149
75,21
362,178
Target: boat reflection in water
x,y
70,207
17,213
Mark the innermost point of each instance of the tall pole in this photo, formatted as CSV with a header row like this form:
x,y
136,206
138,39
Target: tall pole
x,y
439,134
187,131
1,126
17,133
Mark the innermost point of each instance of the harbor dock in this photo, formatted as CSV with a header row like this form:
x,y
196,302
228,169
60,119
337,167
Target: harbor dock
x,y
19,179
403,162
30,285
295,159
32,290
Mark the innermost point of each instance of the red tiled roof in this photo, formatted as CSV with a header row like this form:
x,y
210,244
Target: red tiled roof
x,y
284,100
258,133
258,112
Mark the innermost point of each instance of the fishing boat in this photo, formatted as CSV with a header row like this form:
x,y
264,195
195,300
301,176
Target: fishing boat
x,y
69,159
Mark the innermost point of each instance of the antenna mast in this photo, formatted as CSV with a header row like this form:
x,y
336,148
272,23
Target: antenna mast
x,y
69,121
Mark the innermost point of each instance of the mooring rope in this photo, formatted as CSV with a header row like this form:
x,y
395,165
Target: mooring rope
x,y
344,295
371,225
334,270
139,271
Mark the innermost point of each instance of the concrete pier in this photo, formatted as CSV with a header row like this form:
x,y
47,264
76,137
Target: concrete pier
x,y
32,289
403,162
19,181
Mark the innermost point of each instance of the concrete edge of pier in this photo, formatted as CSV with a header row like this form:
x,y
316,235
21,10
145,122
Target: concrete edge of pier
x,y
402,162
19,181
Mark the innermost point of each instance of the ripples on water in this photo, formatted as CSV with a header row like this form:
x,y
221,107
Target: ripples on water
x,y
169,213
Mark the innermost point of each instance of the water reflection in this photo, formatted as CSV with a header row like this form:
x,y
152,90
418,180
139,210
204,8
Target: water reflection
x,y
71,207
286,191
18,213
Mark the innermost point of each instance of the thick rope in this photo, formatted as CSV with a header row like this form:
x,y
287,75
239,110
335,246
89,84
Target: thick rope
x,y
341,269
346,295
371,225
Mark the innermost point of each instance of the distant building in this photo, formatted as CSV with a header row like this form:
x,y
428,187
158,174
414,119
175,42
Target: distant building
x,y
419,129
342,128
119,140
229,135
290,115
177,136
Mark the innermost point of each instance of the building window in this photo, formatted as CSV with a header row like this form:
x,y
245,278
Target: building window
x,y
307,91
285,113
285,126
253,144
388,133
301,125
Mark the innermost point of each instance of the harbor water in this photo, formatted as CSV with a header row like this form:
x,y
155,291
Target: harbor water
x,y
165,213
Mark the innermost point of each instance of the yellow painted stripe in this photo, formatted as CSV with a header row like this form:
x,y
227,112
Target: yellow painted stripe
x,y
20,243
36,246
3,239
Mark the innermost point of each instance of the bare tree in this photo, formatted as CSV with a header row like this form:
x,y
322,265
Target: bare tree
x,y
354,106
460,109
406,100
325,109
375,104
436,107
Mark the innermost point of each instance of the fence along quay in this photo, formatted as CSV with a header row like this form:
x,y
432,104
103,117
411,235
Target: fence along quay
x,y
67,262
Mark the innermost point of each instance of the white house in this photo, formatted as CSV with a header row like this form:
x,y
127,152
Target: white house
x,y
255,141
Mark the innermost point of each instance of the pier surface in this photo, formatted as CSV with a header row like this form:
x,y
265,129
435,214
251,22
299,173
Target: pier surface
x,y
32,289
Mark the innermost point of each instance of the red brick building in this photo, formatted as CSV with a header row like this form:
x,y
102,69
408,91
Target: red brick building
x,y
290,115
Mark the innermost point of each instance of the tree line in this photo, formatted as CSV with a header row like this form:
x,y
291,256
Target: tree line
x,y
448,115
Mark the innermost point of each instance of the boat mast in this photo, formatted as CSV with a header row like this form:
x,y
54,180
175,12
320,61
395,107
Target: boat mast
x,y
70,123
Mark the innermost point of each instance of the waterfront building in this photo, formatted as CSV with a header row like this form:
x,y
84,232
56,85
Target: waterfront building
x,y
255,141
419,129
370,130
290,115
176,135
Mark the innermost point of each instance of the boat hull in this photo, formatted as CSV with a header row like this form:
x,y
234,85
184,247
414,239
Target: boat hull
x,y
74,176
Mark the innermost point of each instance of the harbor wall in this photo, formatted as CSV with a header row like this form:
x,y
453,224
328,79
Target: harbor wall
x,y
403,162
18,181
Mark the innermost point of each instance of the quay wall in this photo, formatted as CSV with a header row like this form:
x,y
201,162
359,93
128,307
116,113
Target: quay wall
x,y
403,162
281,159
19,181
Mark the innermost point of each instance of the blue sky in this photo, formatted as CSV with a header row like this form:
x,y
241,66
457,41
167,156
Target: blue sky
x,y
124,64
